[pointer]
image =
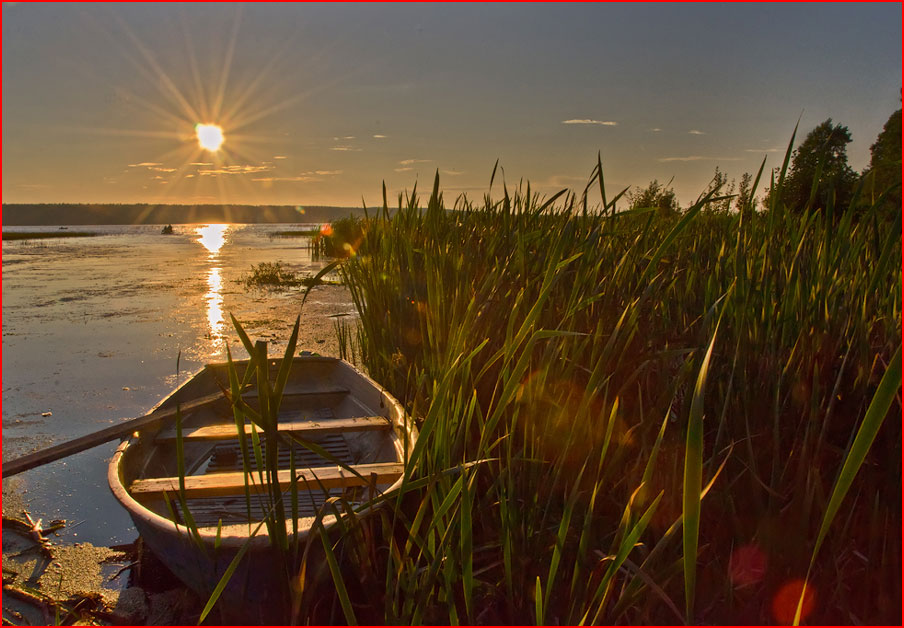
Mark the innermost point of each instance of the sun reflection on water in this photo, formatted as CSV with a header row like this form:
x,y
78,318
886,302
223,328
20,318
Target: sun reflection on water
x,y
212,238
214,297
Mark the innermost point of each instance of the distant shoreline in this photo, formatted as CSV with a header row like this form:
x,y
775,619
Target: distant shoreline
x,y
49,214
44,235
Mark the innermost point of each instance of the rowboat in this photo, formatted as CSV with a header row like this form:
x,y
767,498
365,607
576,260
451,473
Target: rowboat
x,y
364,432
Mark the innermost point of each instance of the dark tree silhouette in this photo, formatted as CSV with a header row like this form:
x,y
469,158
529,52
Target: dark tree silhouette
x,y
720,183
662,197
884,170
826,144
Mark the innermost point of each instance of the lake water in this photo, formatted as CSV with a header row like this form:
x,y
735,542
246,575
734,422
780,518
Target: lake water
x,y
92,328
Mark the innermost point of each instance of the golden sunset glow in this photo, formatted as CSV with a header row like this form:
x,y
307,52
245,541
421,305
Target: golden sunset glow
x,y
210,136
214,298
212,237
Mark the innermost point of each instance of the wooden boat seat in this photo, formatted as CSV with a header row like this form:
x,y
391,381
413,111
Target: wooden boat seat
x,y
306,429
233,483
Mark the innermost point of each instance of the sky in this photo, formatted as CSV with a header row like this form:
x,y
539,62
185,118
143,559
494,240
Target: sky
x,y
320,104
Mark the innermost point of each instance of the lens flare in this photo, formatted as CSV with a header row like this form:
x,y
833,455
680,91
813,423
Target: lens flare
x,y
784,604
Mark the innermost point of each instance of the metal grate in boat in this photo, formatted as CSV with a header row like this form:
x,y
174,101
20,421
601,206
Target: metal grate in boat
x,y
227,457
209,511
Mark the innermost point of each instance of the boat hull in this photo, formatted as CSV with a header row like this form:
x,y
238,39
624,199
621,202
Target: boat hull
x,y
257,592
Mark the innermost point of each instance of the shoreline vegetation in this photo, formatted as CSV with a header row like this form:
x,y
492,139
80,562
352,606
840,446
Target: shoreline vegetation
x,y
276,276
669,409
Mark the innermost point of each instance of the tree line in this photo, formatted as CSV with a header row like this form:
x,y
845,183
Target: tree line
x,y
818,177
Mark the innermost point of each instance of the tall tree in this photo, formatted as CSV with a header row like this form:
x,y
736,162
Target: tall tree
x,y
662,197
826,145
745,194
719,182
884,170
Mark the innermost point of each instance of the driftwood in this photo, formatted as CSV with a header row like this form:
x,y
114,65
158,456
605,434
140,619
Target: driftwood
x,y
34,530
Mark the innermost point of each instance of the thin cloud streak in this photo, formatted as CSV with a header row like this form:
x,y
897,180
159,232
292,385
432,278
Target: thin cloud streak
x,y
588,121
300,178
698,158
235,170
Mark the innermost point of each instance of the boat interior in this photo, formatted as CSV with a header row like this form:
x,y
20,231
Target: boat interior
x,y
338,436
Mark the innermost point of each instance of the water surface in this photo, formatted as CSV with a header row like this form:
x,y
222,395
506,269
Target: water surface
x,y
92,328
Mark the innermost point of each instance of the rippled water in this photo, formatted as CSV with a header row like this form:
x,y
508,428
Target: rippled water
x,y
92,328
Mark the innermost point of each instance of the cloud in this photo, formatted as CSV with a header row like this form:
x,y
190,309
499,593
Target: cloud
x,y
406,169
162,169
199,163
279,157
587,121
189,176
695,132
408,162
301,178
655,129
698,158
235,170
145,164
347,149
380,137
764,150
305,177
346,137
453,173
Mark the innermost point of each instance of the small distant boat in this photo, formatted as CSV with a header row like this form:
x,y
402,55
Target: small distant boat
x,y
167,230
326,401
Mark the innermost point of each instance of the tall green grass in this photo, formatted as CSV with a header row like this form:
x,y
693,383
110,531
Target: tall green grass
x,y
549,339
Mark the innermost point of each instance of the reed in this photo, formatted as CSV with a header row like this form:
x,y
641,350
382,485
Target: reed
x,y
549,338
624,417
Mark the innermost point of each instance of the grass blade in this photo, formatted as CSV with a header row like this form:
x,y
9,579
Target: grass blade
x,y
693,482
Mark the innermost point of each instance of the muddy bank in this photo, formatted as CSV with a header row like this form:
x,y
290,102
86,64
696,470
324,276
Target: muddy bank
x,y
46,582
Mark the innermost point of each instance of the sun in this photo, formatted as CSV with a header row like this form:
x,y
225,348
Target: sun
x,y
210,136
